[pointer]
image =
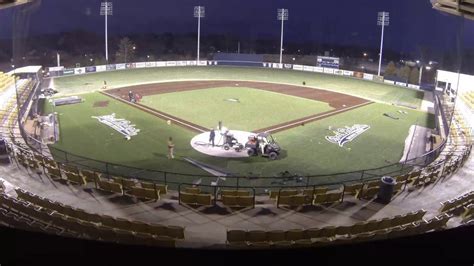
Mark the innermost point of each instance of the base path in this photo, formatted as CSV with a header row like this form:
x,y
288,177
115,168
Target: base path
x,y
340,102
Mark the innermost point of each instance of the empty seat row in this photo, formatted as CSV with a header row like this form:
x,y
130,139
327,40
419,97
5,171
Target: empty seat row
x,y
329,231
295,238
457,203
106,220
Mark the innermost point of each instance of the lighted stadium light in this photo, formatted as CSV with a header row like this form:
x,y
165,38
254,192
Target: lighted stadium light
x,y
282,15
199,12
383,20
106,10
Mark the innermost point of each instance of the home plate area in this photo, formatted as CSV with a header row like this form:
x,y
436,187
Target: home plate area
x,y
202,145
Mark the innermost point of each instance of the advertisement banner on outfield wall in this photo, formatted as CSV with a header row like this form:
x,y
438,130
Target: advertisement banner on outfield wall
x,y
403,84
359,75
411,86
319,69
68,71
101,68
348,73
55,69
170,63
110,67
193,63
150,64
277,65
182,63
329,70
378,78
129,65
202,63
140,65
120,66
368,76
389,82
160,64
338,72
308,68
288,66
79,70
298,67
90,69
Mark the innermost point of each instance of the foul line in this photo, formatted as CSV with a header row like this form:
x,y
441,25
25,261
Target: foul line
x,y
318,117
154,112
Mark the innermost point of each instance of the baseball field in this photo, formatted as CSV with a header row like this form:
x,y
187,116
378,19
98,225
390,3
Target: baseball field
x,y
301,118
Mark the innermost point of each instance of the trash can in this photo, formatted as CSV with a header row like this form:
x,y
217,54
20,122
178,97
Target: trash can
x,y
387,184
4,159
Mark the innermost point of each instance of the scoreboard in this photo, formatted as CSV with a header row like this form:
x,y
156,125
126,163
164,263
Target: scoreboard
x,y
329,62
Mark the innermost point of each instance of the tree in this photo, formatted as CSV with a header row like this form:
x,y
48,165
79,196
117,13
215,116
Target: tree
x,y
404,73
126,51
391,69
414,76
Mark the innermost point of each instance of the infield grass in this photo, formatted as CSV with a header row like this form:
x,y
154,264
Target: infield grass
x,y
239,108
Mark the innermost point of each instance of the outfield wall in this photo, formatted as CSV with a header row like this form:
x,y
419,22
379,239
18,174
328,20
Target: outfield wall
x,y
61,71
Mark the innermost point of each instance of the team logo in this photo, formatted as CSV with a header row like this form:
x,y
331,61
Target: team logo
x,y
347,134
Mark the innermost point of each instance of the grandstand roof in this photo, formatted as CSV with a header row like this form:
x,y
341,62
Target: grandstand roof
x,y
464,8
15,3
26,70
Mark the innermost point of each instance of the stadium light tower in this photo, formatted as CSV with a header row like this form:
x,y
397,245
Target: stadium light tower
x,y
106,10
383,21
282,15
199,12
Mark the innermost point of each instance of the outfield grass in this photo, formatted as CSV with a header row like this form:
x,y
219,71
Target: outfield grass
x,y
255,109
305,149
365,89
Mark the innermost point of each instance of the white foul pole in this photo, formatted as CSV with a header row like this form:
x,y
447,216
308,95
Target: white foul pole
x,y
58,58
383,21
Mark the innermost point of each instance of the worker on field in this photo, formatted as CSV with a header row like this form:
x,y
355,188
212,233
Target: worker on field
x,y
170,148
130,96
212,136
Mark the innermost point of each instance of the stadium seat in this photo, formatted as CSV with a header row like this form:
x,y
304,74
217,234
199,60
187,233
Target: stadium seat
x,y
236,235
276,235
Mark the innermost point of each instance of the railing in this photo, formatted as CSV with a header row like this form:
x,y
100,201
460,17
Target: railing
x,y
265,182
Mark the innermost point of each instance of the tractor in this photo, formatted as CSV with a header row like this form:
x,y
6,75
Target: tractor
x,y
264,145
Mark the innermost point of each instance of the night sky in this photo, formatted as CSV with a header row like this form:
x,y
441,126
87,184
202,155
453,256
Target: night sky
x,y
350,22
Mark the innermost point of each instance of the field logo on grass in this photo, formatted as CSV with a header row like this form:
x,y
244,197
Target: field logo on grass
x,y
347,134
123,126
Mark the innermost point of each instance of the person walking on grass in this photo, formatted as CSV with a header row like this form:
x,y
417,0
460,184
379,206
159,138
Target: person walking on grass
x,y
212,136
170,148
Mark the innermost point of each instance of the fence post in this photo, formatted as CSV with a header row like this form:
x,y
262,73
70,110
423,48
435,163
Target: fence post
x,y
166,181
107,169
65,157
362,175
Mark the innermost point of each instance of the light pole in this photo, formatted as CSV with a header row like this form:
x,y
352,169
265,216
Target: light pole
x,y
199,12
282,15
106,10
383,20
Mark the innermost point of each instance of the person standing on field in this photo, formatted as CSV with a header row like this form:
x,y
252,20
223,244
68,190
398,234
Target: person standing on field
x,y
212,136
170,148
